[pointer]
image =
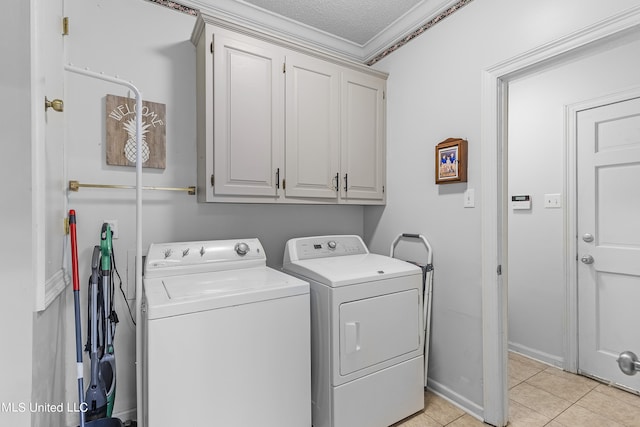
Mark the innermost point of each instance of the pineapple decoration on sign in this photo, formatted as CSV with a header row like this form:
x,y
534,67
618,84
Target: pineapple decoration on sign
x,y
121,133
130,148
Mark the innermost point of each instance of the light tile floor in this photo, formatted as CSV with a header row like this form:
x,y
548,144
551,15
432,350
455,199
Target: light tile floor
x,y
542,395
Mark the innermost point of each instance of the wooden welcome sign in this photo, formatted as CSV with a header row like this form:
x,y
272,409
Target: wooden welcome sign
x,y
121,132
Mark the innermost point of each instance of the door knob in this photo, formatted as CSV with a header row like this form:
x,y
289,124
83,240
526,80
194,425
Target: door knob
x,y
587,259
587,237
628,363
56,104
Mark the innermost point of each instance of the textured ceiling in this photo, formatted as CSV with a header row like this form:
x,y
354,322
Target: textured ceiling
x,y
357,21
360,30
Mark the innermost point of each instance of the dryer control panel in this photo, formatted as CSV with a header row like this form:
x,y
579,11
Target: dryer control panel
x,y
324,247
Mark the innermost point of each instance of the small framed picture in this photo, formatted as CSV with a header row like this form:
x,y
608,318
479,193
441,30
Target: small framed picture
x,y
451,161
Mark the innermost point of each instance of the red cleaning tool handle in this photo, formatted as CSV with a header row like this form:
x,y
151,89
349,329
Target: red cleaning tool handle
x,y
74,250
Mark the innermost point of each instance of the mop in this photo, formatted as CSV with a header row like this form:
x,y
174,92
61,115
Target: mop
x,y
76,303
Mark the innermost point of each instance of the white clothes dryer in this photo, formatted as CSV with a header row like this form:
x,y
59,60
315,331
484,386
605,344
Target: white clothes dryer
x,y
366,331
226,338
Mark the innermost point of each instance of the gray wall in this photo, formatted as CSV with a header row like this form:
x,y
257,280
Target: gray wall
x,y
16,280
434,92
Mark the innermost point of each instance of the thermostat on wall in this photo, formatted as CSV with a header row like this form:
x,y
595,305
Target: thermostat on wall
x,y
521,202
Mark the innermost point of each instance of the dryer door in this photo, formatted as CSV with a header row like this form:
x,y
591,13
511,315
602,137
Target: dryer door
x,y
375,330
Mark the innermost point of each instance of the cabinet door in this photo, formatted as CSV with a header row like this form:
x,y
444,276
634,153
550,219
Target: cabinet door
x,y
247,117
363,115
312,128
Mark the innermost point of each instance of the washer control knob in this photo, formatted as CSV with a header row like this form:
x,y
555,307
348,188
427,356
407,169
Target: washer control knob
x,y
241,248
185,252
332,244
202,251
167,253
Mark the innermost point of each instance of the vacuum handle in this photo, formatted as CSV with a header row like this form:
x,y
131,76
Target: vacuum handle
x,y
106,246
74,250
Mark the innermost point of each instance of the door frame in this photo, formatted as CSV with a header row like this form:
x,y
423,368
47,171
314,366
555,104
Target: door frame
x,y
494,145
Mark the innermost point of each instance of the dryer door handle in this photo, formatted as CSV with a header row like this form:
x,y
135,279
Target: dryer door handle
x,y
352,337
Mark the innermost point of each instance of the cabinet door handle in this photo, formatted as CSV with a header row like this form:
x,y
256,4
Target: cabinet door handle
x,y
337,180
277,178
346,182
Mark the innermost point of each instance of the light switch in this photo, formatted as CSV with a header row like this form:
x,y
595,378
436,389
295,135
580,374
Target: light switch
x,y
470,198
552,201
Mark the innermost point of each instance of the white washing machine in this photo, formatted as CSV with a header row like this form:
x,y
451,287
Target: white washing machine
x,y
227,339
366,332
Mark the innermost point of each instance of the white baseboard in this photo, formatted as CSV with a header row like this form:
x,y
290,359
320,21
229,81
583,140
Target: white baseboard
x,y
541,356
456,399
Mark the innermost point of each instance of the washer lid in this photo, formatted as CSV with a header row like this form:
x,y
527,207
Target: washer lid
x,y
351,269
177,295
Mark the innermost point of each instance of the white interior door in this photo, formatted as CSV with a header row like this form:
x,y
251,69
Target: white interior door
x,y
609,238
48,156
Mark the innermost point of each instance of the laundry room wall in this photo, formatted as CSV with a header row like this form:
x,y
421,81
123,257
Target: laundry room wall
x,y
17,292
150,46
434,92
537,297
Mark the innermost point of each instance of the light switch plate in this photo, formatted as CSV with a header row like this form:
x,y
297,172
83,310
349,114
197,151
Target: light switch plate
x,y
552,201
470,198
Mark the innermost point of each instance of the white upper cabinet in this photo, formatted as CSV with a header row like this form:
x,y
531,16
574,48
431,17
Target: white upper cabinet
x,y
280,124
312,128
247,118
363,127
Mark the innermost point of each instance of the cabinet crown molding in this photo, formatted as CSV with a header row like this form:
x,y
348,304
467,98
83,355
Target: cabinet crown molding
x,y
204,19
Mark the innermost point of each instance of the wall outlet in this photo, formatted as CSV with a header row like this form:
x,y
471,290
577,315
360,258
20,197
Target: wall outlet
x,y
552,201
113,223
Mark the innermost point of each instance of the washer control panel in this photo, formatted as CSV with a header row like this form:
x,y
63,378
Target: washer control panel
x,y
203,256
324,247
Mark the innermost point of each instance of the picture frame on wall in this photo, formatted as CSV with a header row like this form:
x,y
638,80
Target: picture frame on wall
x,y
451,161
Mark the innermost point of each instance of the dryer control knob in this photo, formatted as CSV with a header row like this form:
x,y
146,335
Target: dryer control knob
x,y
332,244
241,248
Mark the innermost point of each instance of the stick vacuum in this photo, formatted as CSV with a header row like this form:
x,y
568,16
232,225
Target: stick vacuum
x,y
96,397
108,361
